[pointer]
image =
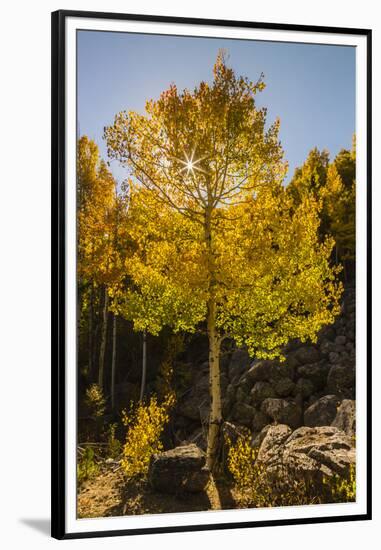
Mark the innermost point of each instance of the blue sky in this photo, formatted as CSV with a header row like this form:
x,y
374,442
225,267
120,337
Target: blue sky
x,y
310,87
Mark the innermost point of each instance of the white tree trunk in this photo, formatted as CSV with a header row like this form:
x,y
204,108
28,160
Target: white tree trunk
x,y
215,418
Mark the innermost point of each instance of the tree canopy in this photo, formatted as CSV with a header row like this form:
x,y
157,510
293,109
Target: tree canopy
x,y
219,242
213,222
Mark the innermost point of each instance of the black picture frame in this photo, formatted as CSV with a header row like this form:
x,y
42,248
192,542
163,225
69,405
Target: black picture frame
x,y
58,321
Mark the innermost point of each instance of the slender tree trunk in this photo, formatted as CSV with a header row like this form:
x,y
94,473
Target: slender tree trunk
x,y
215,418
113,362
144,366
102,350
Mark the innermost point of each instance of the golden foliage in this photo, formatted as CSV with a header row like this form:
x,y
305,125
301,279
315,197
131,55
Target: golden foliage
x,y
342,489
101,217
212,223
145,425
241,461
95,401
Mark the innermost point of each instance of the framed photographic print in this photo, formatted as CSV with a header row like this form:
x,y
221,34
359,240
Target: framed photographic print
x,y
211,251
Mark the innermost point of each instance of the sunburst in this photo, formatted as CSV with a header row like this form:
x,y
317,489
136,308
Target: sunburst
x,y
190,164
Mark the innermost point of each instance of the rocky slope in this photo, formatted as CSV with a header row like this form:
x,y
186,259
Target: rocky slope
x,y
314,386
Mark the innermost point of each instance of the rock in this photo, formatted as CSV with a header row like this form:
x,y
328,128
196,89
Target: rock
x,y
307,355
257,439
239,363
327,347
242,396
179,470
341,380
243,413
292,360
316,372
245,384
304,387
224,382
322,412
283,411
327,333
225,360
195,404
324,446
345,418
259,371
283,387
228,399
306,452
272,444
265,370
333,357
260,391
340,340
260,420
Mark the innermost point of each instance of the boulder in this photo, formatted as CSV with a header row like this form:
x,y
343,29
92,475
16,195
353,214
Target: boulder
x,y
327,347
195,404
260,391
256,440
307,355
323,447
316,372
244,383
265,370
271,447
341,380
243,413
334,357
304,387
283,411
340,340
291,358
283,387
327,333
259,421
259,371
239,363
179,470
228,399
345,418
242,396
306,452
322,412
